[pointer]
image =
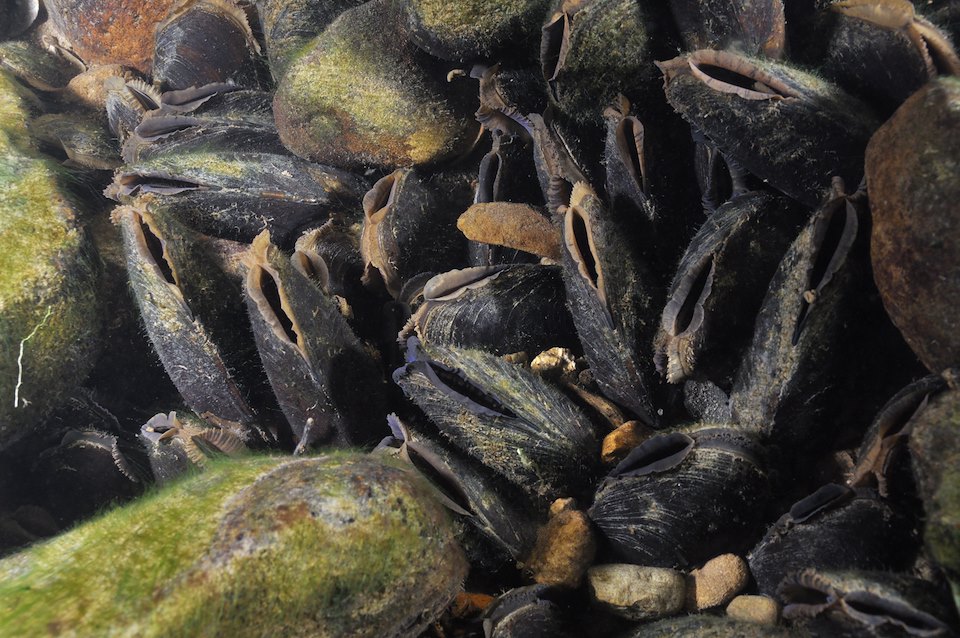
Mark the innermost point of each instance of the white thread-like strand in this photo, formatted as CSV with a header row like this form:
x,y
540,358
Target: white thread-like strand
x,y
16,390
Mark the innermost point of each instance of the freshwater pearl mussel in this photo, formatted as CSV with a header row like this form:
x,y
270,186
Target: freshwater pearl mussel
x,y
487,240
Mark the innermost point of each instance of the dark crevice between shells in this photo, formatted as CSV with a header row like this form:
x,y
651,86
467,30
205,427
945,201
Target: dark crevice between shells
x,y
488,178
728,73
157,253
834,239
266,292
825,498
695,290
630,138
657,454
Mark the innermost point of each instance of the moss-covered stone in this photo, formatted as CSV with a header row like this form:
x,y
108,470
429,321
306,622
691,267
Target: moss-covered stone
x,y
49,322
363,94
330,546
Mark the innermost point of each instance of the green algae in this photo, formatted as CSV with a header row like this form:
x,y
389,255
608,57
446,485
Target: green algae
x,y
337,545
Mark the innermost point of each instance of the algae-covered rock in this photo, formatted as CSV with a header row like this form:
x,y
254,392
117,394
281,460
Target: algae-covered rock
x,y
340,545
49,322
363,94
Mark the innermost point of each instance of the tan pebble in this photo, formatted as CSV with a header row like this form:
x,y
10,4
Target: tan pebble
x,y
565,548
618,443
637,592
517,226
717,582
757,609
562,505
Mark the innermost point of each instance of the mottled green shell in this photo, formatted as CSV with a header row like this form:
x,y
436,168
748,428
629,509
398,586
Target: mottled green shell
x,y
331,546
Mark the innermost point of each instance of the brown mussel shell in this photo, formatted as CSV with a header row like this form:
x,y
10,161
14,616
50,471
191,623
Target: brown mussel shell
x,y
912,195
785,126
682,497
836,527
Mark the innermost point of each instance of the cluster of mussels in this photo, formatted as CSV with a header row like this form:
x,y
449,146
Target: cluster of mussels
x,y
660,299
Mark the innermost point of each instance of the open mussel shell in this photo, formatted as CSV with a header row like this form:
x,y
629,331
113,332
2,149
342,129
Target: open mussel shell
x,y
37,66
410,226
836,527
204,41
178,442
818,305
326,382
288,26
613,300
501,309
534,611
728,265
880,455
558,169
86,142
880,50
864,603
935,455
707,626
87,471
395,111
234,195
502,514
917,271
756,28
682,497
109,31
506,417
17,16
592,51
786,126
162,263
467,30
127,101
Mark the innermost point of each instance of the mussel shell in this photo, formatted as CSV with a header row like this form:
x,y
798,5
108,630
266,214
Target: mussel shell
x,y
204,41
867,603
500,309
683,497
707,626
786,126
756,28
234,195
836,527
728,265
86,142
17,16
527,612
916,268
36,66
410,226
327,384
504,416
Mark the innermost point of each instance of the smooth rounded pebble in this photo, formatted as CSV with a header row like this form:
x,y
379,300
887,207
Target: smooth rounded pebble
x,y
637,592
758,609
717,582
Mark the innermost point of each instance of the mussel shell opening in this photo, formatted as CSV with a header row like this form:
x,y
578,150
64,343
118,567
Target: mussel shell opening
x,y
826,498
729,73
657,454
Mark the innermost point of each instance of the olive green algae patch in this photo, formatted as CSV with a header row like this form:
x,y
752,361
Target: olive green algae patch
x,y
336,545
49,320
365,95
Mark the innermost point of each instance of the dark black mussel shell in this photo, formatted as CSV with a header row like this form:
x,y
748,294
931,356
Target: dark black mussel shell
x,y
410,226
506,417
534,611
866,603
467,30
613,301
719,286
786,126
204,41
502,514
236,194
880,50
501,309
163,267
680,498
836,527
880,457
590,52
127,102
17,16
819,321
557,167
289,25
326,381
755,28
